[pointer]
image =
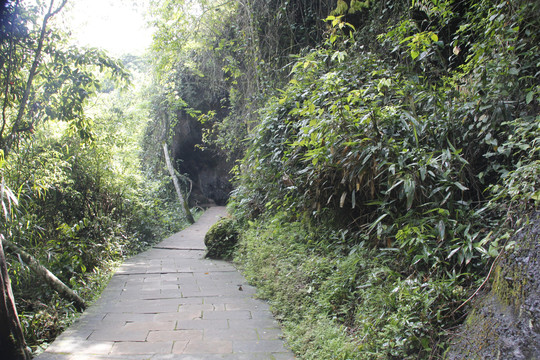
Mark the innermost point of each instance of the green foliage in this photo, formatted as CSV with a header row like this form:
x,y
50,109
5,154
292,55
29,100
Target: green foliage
x,y
45,321
420,142
44,315
363,149
74,193
354,305
46,79
222,58
83,207
221,239
409,155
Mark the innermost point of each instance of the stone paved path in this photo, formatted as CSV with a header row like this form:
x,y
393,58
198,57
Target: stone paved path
x,y
170,303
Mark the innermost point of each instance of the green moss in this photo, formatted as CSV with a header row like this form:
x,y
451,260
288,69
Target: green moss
x,y
221,239
509,286
499,324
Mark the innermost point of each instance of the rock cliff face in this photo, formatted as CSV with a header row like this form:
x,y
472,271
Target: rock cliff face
x,y
208,169
505,322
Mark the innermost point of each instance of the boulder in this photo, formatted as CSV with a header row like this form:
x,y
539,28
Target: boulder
x,y
221,239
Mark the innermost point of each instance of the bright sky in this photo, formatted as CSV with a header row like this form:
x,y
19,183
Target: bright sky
x,y
117,26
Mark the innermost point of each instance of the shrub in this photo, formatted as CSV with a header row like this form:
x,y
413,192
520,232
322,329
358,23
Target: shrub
x,y
221,239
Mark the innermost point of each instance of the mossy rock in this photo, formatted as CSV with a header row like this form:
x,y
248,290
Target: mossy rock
x,y
503,323
221,239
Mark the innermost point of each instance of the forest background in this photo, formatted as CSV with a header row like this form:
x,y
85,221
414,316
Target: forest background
x,y
386,152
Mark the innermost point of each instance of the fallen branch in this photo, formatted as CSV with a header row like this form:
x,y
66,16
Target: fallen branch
x,y
48,276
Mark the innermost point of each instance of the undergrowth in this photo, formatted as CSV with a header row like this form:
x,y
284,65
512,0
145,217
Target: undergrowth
x,y
43,313
358,304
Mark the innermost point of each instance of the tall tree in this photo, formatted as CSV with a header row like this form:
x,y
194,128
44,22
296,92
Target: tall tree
x,y
12,343
16,127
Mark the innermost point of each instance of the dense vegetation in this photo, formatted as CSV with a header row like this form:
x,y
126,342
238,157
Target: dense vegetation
x,y
386,151
391,150
75,193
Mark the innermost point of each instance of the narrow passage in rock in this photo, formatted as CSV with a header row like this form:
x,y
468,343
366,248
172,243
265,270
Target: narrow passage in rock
x,y
171,303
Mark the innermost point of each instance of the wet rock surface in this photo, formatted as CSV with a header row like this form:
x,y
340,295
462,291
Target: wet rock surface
x,y
505,322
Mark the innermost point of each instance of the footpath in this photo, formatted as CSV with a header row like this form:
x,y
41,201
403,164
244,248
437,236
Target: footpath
x,y
169,303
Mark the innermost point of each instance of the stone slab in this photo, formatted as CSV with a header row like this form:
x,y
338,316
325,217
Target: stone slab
x,y
205,347
175,335
138,348
258,346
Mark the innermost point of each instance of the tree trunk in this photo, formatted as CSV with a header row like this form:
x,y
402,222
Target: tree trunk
x,y
47,276
183,200
33,69
12,343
